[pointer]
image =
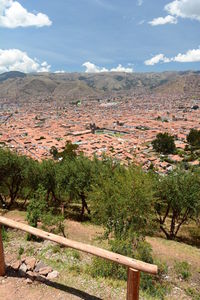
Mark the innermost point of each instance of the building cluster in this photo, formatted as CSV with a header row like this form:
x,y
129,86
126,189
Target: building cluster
x,y
122,128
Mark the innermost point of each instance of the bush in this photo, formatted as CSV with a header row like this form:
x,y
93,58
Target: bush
x,y
164,143
193,138
38,210
141,250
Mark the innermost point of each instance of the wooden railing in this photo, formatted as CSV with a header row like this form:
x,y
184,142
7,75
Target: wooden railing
x,y
134,266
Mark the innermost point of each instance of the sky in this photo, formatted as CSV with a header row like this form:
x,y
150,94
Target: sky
x,y
99,35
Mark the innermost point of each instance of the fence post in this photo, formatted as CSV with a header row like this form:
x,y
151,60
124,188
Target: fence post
x,y
133,284
2,261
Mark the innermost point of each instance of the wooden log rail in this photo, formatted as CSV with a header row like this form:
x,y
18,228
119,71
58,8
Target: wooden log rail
x,y
134,266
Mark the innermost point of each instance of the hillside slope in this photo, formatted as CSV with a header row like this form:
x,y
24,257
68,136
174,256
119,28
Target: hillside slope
x,y
72,86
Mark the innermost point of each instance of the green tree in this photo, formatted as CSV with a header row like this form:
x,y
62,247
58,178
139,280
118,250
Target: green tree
x,y
164,143
70,151
193,138
39,210
178,200
122,201
75,177
13,176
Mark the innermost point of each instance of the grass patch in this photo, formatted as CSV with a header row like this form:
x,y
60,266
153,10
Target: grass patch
x,y
193,293
182,270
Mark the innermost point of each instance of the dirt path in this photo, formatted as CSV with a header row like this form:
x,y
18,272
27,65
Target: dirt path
x,y
76,285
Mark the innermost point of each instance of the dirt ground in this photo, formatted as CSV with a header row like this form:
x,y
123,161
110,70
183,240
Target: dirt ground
x,y
76,286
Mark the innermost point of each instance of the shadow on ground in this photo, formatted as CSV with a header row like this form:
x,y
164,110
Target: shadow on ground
x,y
10,272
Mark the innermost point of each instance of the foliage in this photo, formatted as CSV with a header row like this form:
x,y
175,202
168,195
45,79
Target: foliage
x,y
20,251
38,210
102,268
14,177
70,151
37,207
193,293
178,200
75,177
122,201
193,138
4,233
183,270
164,143
142,251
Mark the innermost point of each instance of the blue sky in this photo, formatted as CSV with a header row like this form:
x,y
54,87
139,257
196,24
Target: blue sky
x,y
99,34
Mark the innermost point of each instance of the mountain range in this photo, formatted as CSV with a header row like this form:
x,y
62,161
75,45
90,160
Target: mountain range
x,y
17,86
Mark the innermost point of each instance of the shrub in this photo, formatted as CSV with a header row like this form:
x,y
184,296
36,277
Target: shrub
x,y
141,250
164,143
193,138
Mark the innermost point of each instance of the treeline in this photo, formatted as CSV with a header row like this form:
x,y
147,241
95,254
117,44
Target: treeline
x,y
125,200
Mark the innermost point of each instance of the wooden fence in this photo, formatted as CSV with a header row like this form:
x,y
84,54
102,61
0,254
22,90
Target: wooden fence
x,y
134,266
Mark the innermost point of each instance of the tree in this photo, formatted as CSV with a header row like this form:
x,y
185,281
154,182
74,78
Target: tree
x,y
13,176
193,138
39,210
164,143
123,202
75,177
70,151
178,200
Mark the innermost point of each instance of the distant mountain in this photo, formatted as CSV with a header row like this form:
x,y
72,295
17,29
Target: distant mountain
x,y
12,74
21,87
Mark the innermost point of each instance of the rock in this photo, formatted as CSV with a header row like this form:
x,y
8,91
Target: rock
x,y
39,266
30,263
28,281
45,271
53,275
16,265
23,268
31,274
23,258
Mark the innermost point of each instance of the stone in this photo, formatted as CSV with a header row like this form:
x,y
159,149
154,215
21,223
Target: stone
x,y
16,265
23,258
31,274
23,268
30,263
45,271
39,266
29,281
53,275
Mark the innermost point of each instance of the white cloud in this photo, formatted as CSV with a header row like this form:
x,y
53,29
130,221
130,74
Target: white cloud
x,y
189,9
60,71
92,68
156,59
120,68
184,9
190,56
140,2
17,60
162,21
13,14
